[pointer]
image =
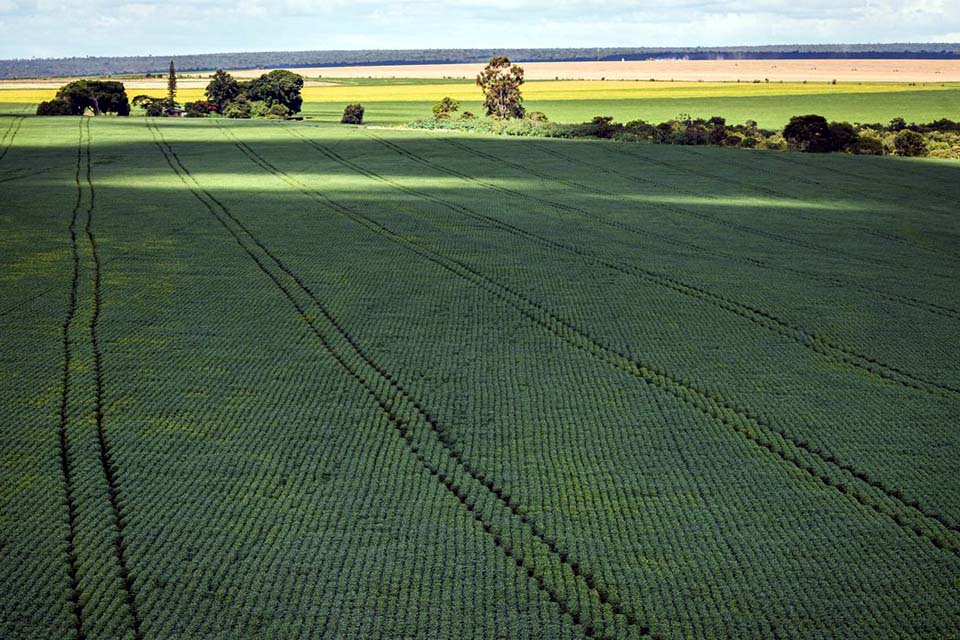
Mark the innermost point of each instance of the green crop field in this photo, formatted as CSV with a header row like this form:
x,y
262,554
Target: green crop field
x,y
391,102
298,380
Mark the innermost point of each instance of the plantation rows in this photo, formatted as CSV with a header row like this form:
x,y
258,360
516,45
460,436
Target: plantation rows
x,y
288,381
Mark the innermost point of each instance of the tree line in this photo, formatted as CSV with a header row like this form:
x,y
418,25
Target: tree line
x,y
276,94
111,65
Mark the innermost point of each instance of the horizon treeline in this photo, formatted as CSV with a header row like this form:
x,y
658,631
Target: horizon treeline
x,y
112,65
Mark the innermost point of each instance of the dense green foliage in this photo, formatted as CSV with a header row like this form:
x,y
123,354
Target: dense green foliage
x,y
277,87
99,96
809,134
500,83
352,114
446,108
269,380
222,89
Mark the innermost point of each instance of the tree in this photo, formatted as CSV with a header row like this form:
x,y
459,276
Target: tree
x,y
152,107
352,114
223,89
445,108
278,87
99,96
842,136
910,144
809,133
500,82
277,112
55,107
172,84
238,109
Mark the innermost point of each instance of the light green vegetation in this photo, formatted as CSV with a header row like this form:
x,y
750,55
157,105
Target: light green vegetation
x,y
735,102
400,101
277,380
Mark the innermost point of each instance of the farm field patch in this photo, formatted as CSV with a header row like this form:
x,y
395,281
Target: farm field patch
x,y
392,102
289,379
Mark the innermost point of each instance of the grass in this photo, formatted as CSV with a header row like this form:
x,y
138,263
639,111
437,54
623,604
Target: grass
x,y
298,380
398,101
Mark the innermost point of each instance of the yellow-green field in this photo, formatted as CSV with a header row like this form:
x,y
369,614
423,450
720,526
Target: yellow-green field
x,y
770,104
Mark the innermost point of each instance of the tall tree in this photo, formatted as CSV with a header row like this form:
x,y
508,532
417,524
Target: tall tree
x,y
500,82
277,87
172,85
223,88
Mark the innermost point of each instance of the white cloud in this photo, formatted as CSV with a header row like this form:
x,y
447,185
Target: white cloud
x,y
100,27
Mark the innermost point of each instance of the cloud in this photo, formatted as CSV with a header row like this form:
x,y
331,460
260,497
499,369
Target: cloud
x,y
99,27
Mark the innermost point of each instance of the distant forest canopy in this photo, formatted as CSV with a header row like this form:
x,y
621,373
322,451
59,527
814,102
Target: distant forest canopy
x,y
107,65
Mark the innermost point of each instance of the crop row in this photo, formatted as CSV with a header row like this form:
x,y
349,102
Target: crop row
x,y
526,544
730,414
530,492
906,300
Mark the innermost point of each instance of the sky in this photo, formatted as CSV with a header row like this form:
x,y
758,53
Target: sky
x,y
65,28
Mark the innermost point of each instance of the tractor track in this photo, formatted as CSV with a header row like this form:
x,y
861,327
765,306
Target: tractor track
x,y
909,301
392,397
741,420
756,315
107,463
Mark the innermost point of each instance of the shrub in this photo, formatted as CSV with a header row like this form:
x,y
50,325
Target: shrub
x,y
466,115
694,134
352,114
445,108
842,136
238,110
910,144
640,128
897,124
603,127
199,109
537,116
749,142
732,140
867,146
152,107
55,107
258,108
278,112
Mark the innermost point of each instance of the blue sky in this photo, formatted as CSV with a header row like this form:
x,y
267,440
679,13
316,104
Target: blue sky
x,y
56,28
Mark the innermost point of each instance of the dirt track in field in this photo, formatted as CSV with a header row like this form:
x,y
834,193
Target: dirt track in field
x,y
693,70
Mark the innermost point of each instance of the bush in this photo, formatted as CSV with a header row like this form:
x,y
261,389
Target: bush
x,y
55,107
867,146
199,109
258,108
640,129
352,114
910,144
278,112
237,110
600,127
809,134
537,116
897,124
445,108
466,115
842,136
732,140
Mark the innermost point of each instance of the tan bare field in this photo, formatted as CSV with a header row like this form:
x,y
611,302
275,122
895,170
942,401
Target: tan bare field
x,y
692,70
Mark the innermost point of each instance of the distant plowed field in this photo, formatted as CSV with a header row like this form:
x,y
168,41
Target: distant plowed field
x,y
284,380
696,70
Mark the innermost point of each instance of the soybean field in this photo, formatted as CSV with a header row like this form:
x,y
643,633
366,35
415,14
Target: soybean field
x,y
297,380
